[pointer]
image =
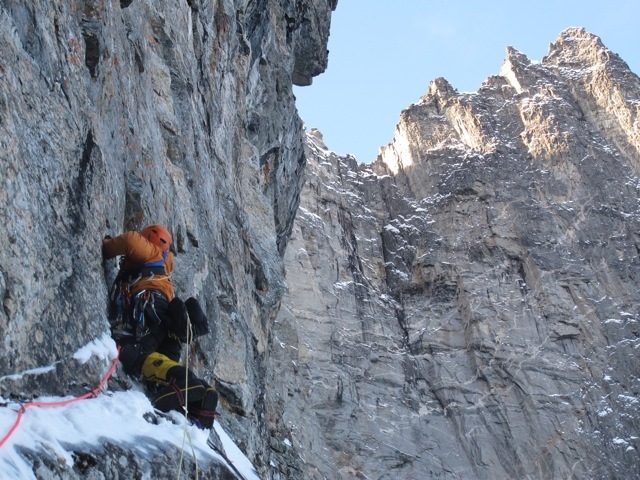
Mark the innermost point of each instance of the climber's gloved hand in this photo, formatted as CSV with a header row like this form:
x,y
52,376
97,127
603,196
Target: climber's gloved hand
x,y
199,320
106,237
179,319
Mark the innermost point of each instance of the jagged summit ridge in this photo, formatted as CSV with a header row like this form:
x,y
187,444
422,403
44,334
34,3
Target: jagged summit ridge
x,y
524,93
514,68
575,47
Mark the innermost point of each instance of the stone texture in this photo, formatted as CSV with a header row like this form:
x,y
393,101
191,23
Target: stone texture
x,y
468,306
465,307
123,462
115,114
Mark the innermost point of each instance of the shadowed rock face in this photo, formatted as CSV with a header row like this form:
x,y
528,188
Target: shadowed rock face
x,y
468,306
117,114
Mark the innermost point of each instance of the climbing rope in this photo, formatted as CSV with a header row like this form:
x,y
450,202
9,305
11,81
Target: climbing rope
x,y
186,433
93,393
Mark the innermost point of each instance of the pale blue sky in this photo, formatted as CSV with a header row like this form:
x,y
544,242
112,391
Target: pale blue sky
x,y
384,53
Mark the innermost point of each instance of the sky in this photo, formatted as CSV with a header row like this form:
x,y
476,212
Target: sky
x,y
383,54
111,416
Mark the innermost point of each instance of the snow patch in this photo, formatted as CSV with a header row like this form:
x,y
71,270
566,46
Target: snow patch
x,y
612,320
619,441
33,371
104,348
115,418
605,411
392,229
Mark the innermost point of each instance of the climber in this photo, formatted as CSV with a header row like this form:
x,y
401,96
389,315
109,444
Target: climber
x,y
150,323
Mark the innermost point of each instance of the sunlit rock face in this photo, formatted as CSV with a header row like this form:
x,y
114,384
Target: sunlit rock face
x,y
117,114
468,305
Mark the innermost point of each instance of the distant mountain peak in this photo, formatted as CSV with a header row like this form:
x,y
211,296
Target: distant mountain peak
x,y
468,303
577,47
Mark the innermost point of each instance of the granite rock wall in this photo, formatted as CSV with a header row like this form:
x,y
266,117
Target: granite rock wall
x,y
117,114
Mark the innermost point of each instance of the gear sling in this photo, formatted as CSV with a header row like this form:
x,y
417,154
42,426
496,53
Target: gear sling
x,y
134,316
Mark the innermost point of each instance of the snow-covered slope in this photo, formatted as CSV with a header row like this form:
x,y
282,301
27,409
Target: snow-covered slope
x,y
88,437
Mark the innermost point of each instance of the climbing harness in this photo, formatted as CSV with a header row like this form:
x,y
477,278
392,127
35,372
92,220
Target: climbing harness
x,y
91,394
120,297
144,312
134,316
127,314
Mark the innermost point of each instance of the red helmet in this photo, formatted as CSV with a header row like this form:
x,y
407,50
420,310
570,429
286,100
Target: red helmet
x,y
158,235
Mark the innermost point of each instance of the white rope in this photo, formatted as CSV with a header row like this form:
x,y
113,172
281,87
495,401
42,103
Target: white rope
x,y
186,433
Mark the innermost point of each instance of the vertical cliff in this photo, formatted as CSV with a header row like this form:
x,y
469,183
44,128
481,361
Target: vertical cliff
x,y
465,307
116,114
468,306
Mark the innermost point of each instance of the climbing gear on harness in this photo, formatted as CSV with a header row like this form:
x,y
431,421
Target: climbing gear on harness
x,y
133,317
144,312
120,310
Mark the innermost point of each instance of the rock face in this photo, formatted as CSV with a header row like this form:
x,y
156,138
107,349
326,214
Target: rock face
x,y
465,307
116,114
468,305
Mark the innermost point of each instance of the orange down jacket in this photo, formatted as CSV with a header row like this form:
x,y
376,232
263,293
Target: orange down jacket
x,y
137,251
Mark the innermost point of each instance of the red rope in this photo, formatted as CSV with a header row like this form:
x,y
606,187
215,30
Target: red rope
x,y
92,393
